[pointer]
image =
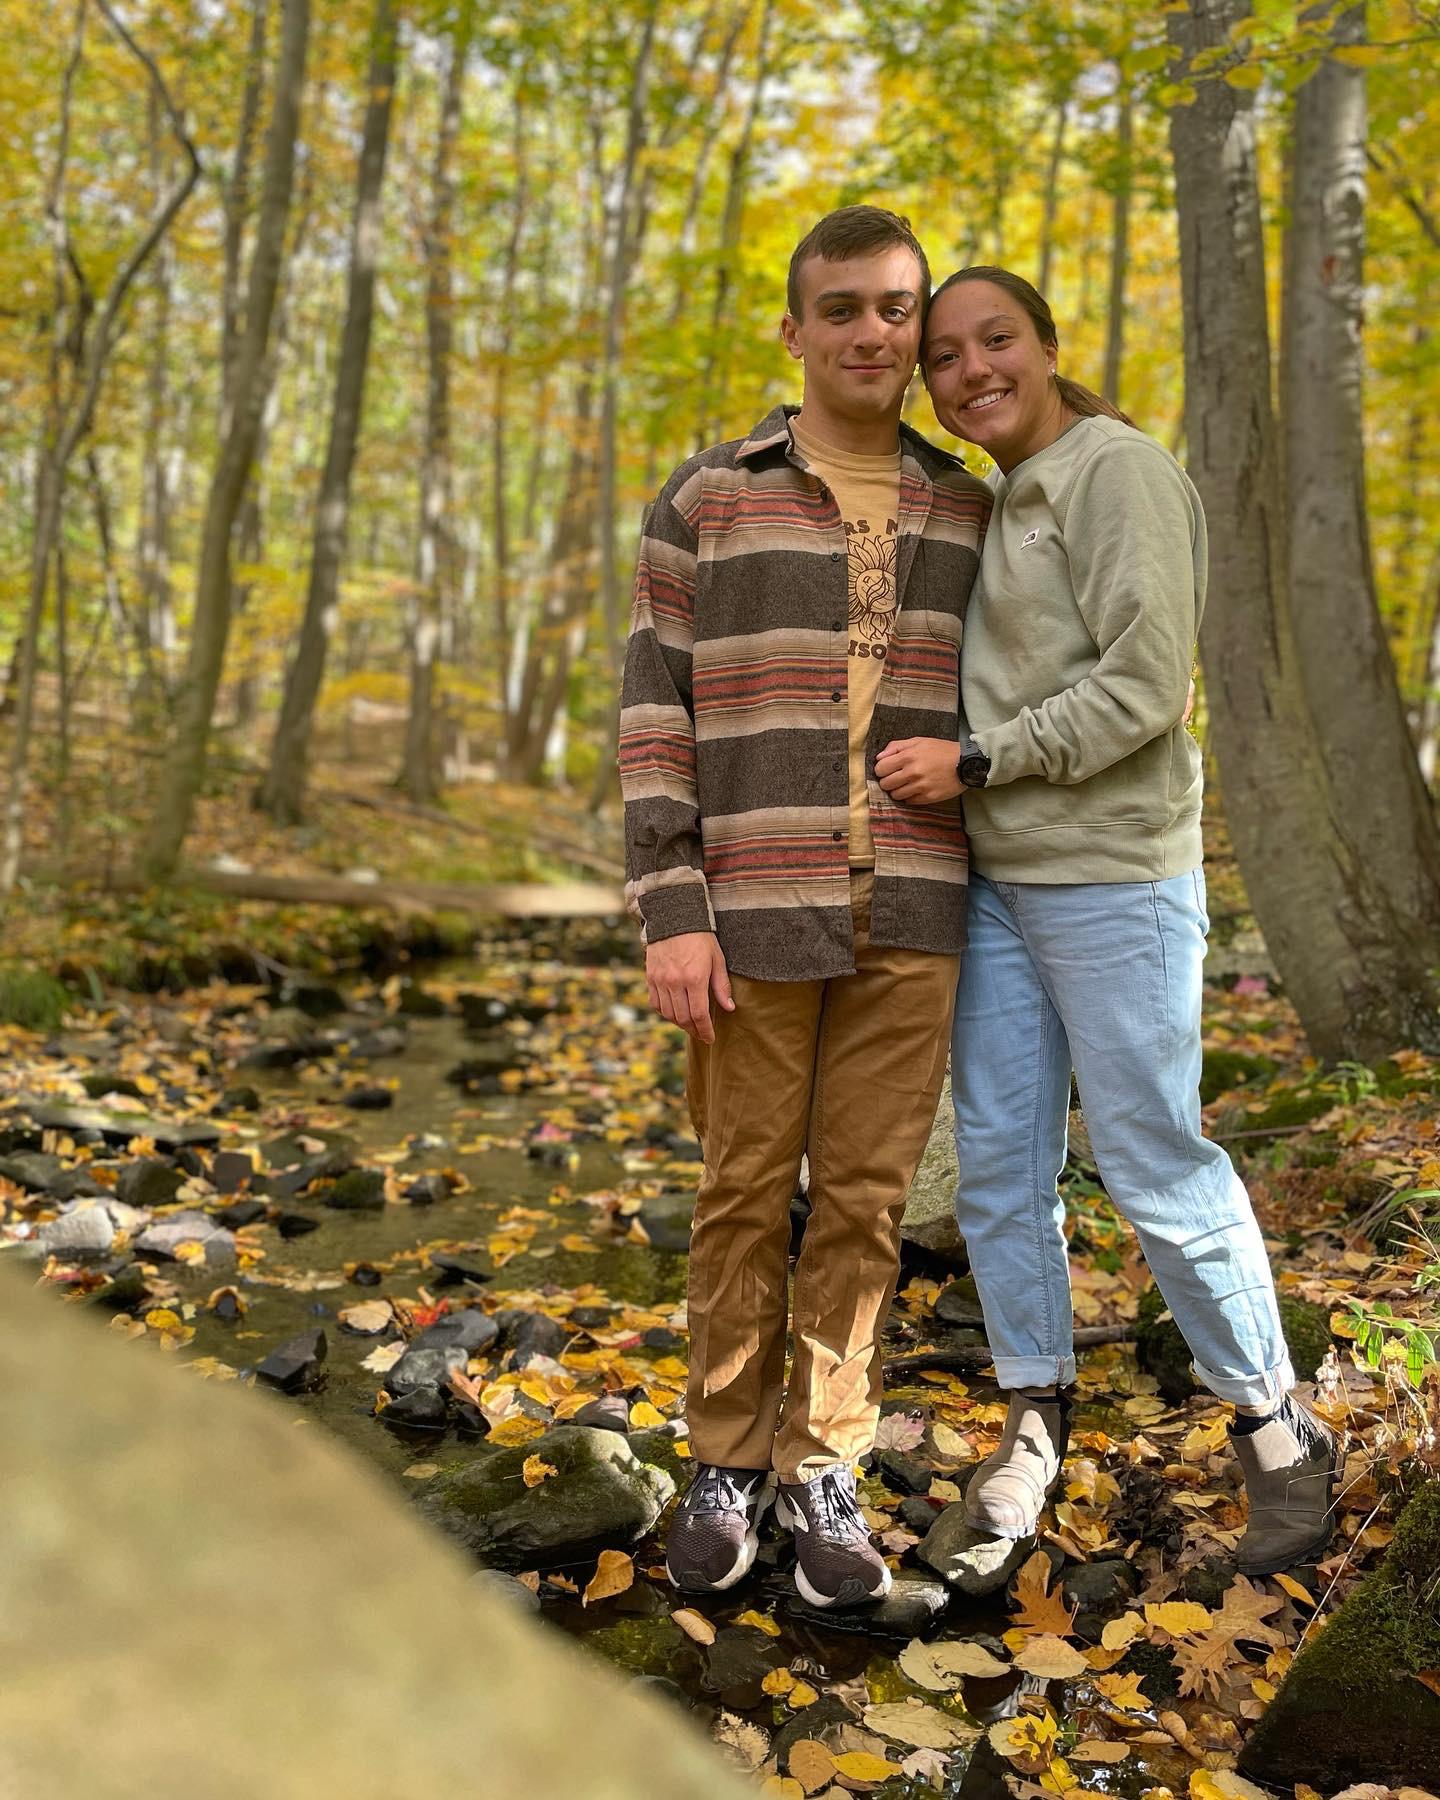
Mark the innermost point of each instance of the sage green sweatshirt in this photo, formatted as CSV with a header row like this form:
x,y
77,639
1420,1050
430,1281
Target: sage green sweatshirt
x,y
1079,640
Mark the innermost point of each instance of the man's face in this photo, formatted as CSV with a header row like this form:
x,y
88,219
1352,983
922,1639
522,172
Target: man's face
x,y
858,333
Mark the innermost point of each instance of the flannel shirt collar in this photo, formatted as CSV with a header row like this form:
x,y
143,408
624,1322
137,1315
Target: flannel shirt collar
x,y
774,431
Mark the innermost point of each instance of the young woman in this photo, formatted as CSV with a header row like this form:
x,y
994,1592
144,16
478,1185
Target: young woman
x,y
1087,914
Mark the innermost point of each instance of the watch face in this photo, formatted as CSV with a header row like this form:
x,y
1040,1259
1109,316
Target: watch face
x,y
975,769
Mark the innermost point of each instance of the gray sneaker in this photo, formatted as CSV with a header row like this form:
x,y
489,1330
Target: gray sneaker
x,y
835,1562
716,1528
1289,1466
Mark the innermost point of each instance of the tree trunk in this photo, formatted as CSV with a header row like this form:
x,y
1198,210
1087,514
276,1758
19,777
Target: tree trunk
x,y
236,199
499,420
1382,810
1312,903
71,413
1427,733
156,603
1119,243
282,794
195,702
1051,204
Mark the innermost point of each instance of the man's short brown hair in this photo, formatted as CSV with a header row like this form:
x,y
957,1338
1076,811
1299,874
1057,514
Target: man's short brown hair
x,y
854,231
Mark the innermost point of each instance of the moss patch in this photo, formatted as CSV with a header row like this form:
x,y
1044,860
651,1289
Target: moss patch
x,y
1163,1352
34,1001
1351,1707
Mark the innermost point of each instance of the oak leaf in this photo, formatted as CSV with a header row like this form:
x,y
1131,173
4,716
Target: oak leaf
x,y
536,1470
1039,1609
614,1572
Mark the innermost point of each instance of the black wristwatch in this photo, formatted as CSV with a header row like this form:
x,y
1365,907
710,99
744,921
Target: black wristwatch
x,y
974,766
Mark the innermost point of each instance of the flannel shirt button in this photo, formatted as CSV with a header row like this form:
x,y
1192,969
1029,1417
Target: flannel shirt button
x,y
834,556
839,836
837,765
837,695
835,625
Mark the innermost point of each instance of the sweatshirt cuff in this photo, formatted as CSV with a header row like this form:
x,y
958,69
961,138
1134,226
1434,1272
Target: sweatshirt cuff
x,y
1010,756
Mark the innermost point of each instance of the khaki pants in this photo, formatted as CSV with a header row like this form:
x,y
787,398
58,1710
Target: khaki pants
x,y
847,1071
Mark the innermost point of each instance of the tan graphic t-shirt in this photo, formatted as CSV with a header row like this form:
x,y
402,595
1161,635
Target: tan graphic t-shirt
x,y
867,491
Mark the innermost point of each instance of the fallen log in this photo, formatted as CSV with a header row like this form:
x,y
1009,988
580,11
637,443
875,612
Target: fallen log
x,y
971,1358
512,900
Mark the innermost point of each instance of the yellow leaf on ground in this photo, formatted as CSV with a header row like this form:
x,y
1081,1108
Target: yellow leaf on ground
x,y
516,1430
802,1694
783,1786
614,1572
1223,1784
949,1442
1118,1633
860,1765
1051,1658
778,1681
536,1470
760,1622
1039,1609
1295,1589
1179,1617
1027,1740
811,1764
941,1667
1123,1692
421,1471
645,1417
695,1625
1100,1750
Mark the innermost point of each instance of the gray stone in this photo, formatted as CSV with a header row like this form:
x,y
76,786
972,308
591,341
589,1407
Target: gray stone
x,y
914,1605
296,1364
929,1217
472,1331
120,1127
666,1221
424,1369
362,1190
84,1231
960,1305
971,1560
536,1334
148,1183
505,1587
905,1474
78,1184
163,1238
1099,1591
601,1496
34,1170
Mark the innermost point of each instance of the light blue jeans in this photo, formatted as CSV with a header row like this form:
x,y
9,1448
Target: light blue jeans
x,y
1104,978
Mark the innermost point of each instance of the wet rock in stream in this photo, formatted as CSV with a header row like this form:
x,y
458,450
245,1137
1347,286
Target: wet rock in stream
x,y
601,1496
86,1231
427,1368
163,1239
470,1330
148,1182
296,1364
973,1561
361,1190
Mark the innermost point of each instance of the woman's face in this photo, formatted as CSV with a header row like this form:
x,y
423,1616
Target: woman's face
x,y
988,373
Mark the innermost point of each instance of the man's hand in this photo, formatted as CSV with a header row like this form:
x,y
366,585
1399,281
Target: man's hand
x,y
919,771
682,973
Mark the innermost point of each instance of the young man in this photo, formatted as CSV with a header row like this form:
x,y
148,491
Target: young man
x,y
798,604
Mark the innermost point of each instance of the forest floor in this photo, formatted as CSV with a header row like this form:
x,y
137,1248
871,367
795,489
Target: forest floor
x,y
349,1141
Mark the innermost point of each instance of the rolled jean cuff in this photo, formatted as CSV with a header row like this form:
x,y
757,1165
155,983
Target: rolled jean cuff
x,y
1267,1389
1034,1371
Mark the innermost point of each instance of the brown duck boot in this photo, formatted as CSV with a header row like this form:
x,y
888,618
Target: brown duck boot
x,y
1289,1463
1007,1493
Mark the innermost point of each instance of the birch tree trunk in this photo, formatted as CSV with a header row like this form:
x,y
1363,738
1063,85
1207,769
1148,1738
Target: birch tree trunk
x,y
435,560
1383,811
282,793
1314,905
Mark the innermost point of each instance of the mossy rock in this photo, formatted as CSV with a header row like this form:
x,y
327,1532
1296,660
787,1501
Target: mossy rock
x,y
1226,1069
1163,1352
32,1000
1155,1665
1352,1707
601,1496
1291,1106
362,1190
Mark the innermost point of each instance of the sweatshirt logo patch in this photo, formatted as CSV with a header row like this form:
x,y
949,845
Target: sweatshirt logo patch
x,y
1030,537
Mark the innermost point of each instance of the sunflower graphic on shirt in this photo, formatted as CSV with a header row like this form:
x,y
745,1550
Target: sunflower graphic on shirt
x,y
872,583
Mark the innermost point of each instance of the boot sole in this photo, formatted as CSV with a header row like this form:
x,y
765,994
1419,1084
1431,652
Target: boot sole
x,y
1272,1565
691,1581
784,1517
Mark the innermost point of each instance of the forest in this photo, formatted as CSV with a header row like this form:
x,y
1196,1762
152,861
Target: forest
x,y
343,345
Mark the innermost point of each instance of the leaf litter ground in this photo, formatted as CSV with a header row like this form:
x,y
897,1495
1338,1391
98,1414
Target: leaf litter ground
x,y
526,1139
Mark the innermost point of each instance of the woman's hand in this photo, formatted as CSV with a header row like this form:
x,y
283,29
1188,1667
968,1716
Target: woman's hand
x,y
919,771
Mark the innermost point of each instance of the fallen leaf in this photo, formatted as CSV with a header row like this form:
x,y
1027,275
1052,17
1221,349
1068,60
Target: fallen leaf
x,y
743,1744
382,1358
536,1470
367,1317
778,1682
942,1667
927,1765
898,1431
950,1443
811,1764
1051,1658
783,1786
695,1625
1027,1740
421,1471
1099,1750
760,1623
614,1572
1039,1609
1181,1618
1295,1589
645,1417
1123,1692
1121,1632
921,1727
860,1765
1225,1784
801,1695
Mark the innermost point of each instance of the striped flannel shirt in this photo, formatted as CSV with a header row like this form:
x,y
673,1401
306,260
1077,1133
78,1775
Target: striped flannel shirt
x,y
734,717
